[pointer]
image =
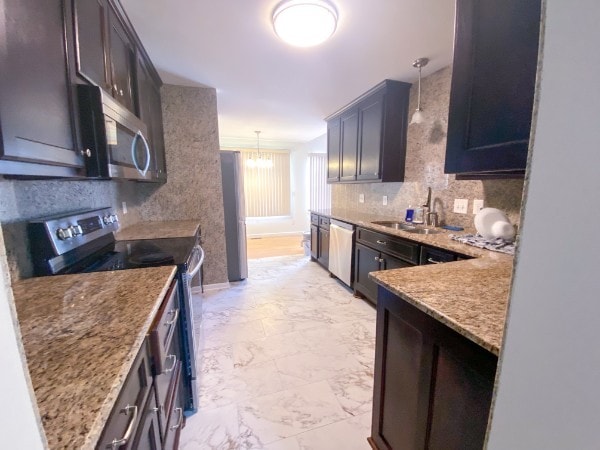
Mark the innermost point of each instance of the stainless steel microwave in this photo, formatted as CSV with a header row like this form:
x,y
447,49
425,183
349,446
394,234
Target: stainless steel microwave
x,y
114,139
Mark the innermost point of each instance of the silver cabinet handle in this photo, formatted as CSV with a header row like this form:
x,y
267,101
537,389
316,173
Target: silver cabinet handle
x,y
174,359
381,260
377,258
180,421
433,261
116,443
175,313
121,92
87,152
381,242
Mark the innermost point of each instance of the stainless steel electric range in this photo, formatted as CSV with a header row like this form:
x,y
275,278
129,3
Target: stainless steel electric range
x,y
84,241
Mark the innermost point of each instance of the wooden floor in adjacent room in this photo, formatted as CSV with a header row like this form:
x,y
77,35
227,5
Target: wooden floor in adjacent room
x,y
266,247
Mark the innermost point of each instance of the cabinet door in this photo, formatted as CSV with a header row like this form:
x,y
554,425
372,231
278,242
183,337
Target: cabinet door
x,y
366,260
389,262
121,55
333,150
493,83
314,241
90,41
349,146
148,436
150,111
370,137
433,387
36,97
324,247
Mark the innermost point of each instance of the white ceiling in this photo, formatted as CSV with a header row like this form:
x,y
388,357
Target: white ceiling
x,y
263,84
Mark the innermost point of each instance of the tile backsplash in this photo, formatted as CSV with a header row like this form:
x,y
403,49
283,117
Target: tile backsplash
x,y
426,149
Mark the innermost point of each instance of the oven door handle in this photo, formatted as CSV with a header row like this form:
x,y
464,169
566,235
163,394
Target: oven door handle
x,y
137,136
194,271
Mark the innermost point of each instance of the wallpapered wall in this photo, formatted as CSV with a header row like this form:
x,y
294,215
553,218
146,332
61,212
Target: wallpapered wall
x,y
193,190
426,148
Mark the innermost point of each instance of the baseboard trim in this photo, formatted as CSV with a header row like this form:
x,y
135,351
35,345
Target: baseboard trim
x,y
283,234
210,287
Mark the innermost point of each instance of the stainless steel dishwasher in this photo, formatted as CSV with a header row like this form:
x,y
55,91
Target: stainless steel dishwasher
x,y
341,250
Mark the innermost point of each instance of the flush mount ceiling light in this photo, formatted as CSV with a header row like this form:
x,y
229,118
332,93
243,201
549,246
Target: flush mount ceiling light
x,y
305,23
418,116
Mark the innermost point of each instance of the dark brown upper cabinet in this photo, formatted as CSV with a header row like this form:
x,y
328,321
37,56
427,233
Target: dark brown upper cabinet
x,y
333,150
105,50
150,111
38,131
493,85
366,139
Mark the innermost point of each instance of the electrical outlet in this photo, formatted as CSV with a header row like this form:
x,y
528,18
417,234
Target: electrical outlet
x,y
361,198
124,205
384,200
461,205
477,205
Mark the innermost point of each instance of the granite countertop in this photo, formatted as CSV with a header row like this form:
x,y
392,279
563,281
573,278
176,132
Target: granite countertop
x,y
81,334
469,296
159,230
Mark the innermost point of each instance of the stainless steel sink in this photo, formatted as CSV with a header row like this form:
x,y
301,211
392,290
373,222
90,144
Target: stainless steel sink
x,y
395,225
423,230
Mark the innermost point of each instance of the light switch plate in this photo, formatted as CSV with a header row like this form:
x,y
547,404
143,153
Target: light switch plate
x,y
477,205
384,201
461,205
124,205
361,198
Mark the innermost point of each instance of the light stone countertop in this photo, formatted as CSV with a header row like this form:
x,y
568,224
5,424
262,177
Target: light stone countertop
x,y
469,296
159,230
81,334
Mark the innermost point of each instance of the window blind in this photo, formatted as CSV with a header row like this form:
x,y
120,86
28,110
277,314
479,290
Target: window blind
x,y
267,188
320,191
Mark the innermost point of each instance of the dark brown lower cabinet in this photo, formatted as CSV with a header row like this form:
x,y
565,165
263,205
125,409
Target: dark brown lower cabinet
x,y
148,436
433,387
369,260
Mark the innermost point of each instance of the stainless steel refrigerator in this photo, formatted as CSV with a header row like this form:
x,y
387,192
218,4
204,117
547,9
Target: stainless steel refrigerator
x,y
232,174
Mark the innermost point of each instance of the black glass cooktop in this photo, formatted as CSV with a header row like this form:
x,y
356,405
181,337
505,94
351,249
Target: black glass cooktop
x,y
142,253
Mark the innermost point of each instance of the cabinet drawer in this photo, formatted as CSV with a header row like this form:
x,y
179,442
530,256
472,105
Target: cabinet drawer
x,y
176,417
128,409
324,222
163,382
164,327
393,245
314,219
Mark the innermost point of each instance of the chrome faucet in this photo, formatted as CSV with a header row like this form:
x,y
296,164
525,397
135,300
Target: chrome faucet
x,y
431,218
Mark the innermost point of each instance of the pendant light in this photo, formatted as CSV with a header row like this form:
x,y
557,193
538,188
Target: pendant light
x,y
259,162
304,23
418,116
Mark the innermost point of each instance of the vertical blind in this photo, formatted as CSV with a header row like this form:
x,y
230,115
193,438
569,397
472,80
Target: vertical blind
x,y
320,191
267,189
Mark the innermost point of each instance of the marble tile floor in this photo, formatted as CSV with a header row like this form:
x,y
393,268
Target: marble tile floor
x,y
285,362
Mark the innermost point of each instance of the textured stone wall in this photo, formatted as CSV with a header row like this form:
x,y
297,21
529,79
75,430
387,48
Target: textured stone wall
x,y
193,190
426,149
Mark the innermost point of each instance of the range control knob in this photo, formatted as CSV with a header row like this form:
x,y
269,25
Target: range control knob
x,y
114,218
64,234
107,219
76,230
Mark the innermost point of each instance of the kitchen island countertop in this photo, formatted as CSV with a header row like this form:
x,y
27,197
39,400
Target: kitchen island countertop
x,y
159,230
81,334
469,296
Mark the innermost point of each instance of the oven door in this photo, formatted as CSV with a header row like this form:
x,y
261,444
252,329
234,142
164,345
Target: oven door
x,y
189,320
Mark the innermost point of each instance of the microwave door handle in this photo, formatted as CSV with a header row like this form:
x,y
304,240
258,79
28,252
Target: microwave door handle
x,y
143,171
